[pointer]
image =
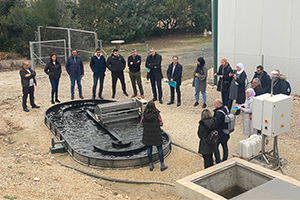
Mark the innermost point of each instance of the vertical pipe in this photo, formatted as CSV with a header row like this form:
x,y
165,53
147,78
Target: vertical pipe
x,y
215,36
262,59
39,40
31,55
69,42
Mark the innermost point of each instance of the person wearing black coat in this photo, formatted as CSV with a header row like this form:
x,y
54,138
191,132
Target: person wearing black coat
x,y
134,64
28,80
174,73
257,87
53,70
98,66
152,134
279,84
206,125
237,87
153,63
220,123
116,64
264,78
224,80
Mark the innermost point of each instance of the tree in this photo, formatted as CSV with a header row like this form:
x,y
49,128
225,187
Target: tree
x,y
175,14
200,14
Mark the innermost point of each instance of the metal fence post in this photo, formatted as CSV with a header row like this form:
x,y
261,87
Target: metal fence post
x,y
31,56
69,41
39,39
147,49
96,41
65,50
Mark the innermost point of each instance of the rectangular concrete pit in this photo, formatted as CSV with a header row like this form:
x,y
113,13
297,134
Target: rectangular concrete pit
x,y
232,179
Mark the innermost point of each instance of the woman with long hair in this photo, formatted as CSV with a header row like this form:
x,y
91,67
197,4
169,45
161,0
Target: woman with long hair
x,y
53,70
199,81
152,135
206,148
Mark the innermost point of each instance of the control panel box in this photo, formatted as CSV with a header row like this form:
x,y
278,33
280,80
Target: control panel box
x,y
276,115
257,112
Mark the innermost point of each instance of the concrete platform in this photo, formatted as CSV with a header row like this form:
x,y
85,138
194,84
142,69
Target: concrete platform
x,y
235,179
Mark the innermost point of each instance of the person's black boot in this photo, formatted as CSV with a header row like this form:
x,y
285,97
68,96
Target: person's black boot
x,y
151,166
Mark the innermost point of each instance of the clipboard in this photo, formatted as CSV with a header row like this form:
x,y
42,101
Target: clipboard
x,y
172,84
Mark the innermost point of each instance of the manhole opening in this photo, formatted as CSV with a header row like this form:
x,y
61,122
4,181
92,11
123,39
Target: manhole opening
x,y
233,180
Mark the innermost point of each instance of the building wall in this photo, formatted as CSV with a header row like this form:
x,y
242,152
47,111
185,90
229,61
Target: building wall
x,y
261,32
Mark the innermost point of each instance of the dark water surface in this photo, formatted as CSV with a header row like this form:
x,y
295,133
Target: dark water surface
x,y
82,133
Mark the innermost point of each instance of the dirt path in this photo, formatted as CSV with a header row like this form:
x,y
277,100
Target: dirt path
x,y
28,172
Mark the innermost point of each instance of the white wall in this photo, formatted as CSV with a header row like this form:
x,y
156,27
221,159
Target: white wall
x,y
249,29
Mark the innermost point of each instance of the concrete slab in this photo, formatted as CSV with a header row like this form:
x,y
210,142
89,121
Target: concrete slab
x,y
227,180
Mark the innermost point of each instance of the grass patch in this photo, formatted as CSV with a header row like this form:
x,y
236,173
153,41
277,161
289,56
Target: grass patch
x,y
10,198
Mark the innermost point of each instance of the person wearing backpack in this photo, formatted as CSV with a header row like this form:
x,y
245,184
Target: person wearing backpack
x,y
207,145
220,124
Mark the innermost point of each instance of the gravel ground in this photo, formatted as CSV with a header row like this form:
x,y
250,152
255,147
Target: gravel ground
x,y
28,172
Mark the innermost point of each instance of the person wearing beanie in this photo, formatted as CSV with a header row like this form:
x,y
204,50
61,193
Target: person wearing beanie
x,y
200,81
224,80
247,109
116,64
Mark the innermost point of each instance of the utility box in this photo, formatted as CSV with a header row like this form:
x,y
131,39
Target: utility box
x,y
257,112
276,115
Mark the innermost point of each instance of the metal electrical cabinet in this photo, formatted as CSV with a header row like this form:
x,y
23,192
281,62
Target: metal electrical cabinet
x,y
276,115
257,111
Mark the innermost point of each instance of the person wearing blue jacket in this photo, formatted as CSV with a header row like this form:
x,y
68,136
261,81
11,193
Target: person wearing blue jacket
x,y
74,68
98,66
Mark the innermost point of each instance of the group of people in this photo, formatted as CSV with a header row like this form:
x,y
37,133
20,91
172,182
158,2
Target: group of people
x,y
232,85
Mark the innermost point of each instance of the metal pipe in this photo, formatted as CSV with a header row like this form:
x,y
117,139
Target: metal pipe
x,y
215,37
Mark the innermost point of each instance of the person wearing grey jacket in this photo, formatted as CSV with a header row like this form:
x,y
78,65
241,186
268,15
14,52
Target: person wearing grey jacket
x,y
200,81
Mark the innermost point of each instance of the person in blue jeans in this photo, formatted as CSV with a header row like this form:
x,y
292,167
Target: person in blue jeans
x,y
98,66
220,123
75,69
151,122
53,70
200,81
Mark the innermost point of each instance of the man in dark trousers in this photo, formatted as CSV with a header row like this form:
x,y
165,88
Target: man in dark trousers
x,y
174,73
220,123
27,81
153,63
257,87
264,78
98,66
74,67
116,64
134,64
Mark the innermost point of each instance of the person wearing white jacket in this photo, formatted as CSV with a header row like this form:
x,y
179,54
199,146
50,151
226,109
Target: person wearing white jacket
x,y
247,108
